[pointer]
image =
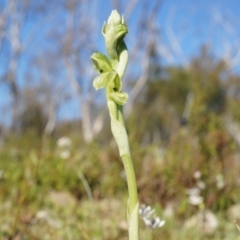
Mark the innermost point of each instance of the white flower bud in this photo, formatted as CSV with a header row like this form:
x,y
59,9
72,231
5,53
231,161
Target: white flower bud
x,y
114,19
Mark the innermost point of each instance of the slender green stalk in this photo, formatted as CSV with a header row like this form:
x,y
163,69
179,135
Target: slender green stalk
x,y
111,71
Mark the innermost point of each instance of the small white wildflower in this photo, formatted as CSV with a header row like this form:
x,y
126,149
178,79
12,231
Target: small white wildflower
x,y
209,222
193,191
195,200
154,222
206,221
146,213
64,142
194,197
197,174
147,221
157,222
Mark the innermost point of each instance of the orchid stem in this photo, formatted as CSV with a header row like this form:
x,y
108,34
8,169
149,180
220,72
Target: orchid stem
x,y
111,71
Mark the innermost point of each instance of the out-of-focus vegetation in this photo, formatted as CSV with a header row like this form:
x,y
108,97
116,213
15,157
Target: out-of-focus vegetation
x,y
63,180
63,188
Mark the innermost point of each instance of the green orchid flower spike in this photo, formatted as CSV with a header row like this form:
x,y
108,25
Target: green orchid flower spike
x,y
111,71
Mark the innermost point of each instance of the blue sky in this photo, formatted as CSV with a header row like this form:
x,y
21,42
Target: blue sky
x,y
192,23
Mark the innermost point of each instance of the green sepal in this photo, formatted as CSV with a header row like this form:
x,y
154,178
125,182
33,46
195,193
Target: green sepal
x,y
101,62
121,31
119,97
102,80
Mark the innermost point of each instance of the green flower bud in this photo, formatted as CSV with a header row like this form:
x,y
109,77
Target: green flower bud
x,y
114,18
114,30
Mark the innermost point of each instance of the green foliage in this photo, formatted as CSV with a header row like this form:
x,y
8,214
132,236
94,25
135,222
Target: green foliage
x,y
209,94
171,87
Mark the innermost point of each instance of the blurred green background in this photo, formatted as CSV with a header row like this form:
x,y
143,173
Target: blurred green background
x,y
60,173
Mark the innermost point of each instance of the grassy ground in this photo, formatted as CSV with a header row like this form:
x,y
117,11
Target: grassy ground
x,y
43,196
104,219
